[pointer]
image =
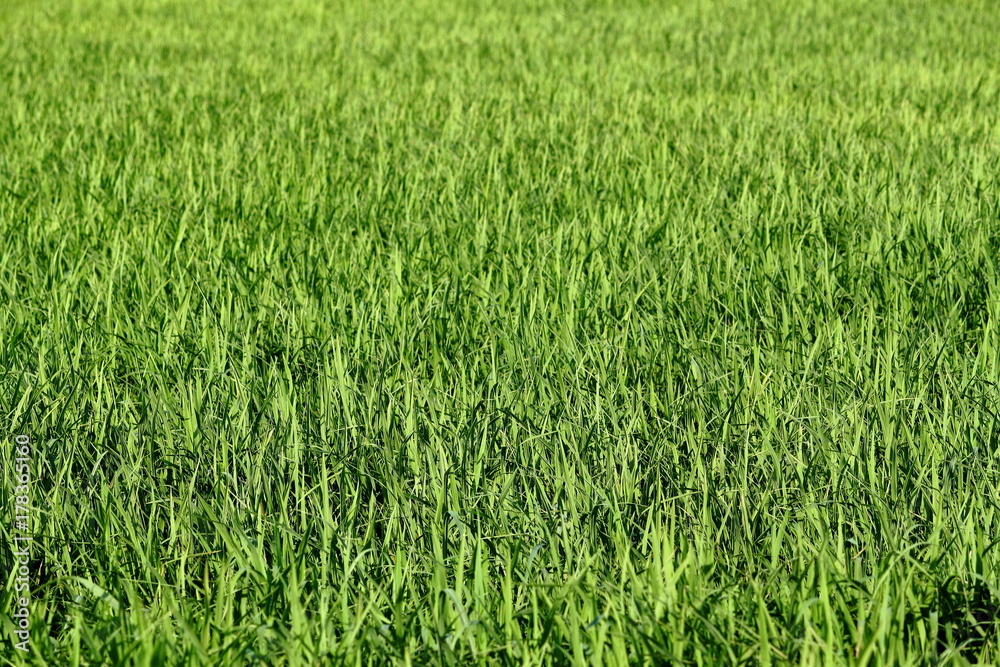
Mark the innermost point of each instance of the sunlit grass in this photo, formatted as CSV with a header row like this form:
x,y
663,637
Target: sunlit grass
x,y
475,333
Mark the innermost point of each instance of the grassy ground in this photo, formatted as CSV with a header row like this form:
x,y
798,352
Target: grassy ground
x,y
526,333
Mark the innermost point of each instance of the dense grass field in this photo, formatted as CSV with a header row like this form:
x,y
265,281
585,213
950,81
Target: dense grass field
x,y
529,333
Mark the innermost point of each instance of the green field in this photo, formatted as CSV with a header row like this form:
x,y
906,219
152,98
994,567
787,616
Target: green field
x,y
544,332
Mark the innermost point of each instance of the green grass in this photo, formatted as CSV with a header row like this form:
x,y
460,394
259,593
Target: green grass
x,y
533,333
